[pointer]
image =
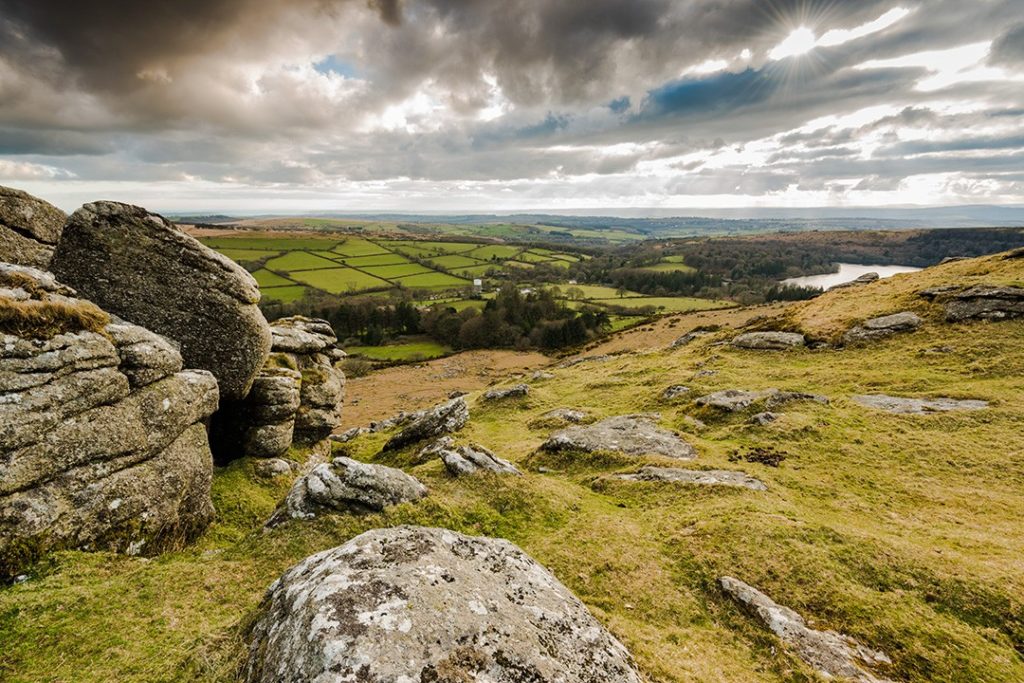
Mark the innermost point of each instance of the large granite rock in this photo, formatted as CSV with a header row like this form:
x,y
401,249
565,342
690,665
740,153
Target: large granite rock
x,y
769,341
831,654
877,328
428,424
310,346
29,228
347,485
986,303
142,268
411,604
628,434
102,441
469,459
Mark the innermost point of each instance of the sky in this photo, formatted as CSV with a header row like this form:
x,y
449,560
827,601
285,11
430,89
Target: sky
x,y
262,106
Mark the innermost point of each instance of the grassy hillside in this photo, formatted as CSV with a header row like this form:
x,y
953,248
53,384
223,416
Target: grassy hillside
x,y
903,531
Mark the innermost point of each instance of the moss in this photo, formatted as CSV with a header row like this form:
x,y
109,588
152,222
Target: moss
x,y
46,319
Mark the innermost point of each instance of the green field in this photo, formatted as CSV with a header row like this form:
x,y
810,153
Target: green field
x,y
374,260
433,281
248,254
265,278
419,350
670,267
339,280
455,261
299,260
494,251
397,271
433,247
356,246
474,271
284,294
669,304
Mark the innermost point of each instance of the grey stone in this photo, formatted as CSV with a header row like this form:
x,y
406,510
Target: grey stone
x,y
274,467
437,421
732,400
777,399
145,357
696,477
29,228
675,391
986,303
865,279
877,328
831,654
918,406
688,338
515,391
769,341
628,434
347,485
763,419
568,415
142,268
541,375
471,459
410,604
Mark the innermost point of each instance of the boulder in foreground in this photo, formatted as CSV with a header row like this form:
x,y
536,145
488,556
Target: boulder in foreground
x,y
878,328
141,267
413,604
629,434
831,654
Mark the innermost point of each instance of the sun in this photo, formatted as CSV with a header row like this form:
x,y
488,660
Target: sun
x,y
799,42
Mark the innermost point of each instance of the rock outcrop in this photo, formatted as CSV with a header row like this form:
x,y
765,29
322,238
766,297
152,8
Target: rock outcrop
x,y
917,406
461,461
102,441
736,400
431,423
696,477
628,434
500,393
675,391
142,268
986,303
877,328
29,228
347,485
831,654
769,341
688,338
416,604
865,279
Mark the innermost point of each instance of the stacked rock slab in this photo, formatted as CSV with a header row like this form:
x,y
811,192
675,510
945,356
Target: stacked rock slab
x,y
310,346
102,436
417,604
142,268
29,228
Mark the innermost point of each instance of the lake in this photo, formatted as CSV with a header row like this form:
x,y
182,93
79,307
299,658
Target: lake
x,y
848,272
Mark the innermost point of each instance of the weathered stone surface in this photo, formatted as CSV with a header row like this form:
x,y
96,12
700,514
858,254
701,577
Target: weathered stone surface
x,y
629,434
410,604
102,444
474,458
567,415
142,268
688,338
831,654
275,467
736,400
877,328
515,391
299,334
918,406
427,424
865,279
29,228
777,399
696,477
986,303
675,391
347,485
769,341
763,419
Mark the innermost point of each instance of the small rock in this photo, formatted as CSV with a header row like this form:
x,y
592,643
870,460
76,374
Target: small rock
x,y
763,419
516,391
437,421
696,477
688,338
732,400
675,391
540,375
349,434
918,406
629,434
347,485
876,328
769,341
475,458
411,604
274,467
457,394
865,279
831,654
565,415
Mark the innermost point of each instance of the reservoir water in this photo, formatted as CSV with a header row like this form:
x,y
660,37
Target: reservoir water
x,y
848,272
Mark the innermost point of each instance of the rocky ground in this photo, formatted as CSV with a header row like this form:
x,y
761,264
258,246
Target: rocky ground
x,y
647,535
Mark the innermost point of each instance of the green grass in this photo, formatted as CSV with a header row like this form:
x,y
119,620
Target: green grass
x,y
278,244
678,304
427,247
670,267
493,251
267,279
338,280
248,254
474,271
454,261
902,531
375,260
433,280
597,291
285,294
420,350
400,270
531,257
356,246
299,260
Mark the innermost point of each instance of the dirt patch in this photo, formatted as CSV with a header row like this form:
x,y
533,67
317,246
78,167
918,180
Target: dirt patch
x,y
381,394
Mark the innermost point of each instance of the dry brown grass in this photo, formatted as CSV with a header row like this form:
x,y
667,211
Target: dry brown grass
x,y
46,319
